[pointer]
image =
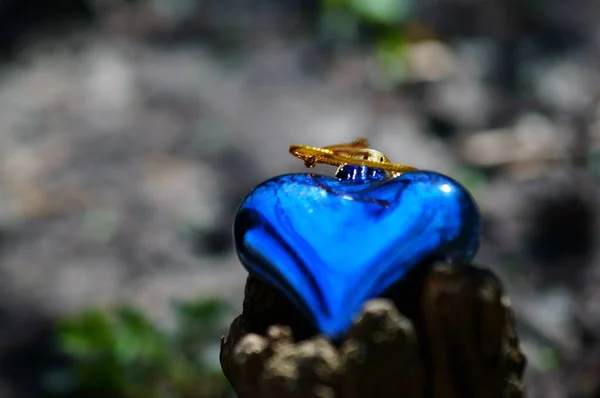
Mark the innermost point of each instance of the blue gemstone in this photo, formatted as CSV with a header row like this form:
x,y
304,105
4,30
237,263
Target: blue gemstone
x,y
329,244
359,174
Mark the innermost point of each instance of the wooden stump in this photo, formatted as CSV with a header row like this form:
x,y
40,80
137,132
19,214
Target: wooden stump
x,y
441,332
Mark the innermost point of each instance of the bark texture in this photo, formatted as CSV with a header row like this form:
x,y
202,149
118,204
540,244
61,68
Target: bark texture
x,y
442,332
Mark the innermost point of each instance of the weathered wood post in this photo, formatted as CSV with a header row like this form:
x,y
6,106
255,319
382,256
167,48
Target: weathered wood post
x,y
441,332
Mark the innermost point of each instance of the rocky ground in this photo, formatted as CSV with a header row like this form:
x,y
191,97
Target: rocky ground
x,y
126,145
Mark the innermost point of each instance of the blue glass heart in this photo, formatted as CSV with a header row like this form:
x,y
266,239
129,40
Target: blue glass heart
x,y
329,244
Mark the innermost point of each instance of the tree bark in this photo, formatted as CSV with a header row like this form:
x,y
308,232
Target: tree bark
x,y
442,332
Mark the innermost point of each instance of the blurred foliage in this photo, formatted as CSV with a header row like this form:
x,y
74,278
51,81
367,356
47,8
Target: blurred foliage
x,y
384,19
121,353
382,12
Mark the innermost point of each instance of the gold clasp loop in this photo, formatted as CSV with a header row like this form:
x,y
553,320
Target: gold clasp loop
x,y
356,153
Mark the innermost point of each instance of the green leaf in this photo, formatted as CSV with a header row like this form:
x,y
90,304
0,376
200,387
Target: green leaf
x,y
327,4
198,324
391,56
200,311
137,339
86,334
386,12
121,353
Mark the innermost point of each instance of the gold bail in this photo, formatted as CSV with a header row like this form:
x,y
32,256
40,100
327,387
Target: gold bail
x,y
356,153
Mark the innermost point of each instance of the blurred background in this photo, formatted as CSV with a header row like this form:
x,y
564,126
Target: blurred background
x,y
131,130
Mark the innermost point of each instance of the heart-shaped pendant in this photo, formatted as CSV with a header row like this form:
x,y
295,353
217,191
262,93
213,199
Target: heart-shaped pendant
x,y
331,243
